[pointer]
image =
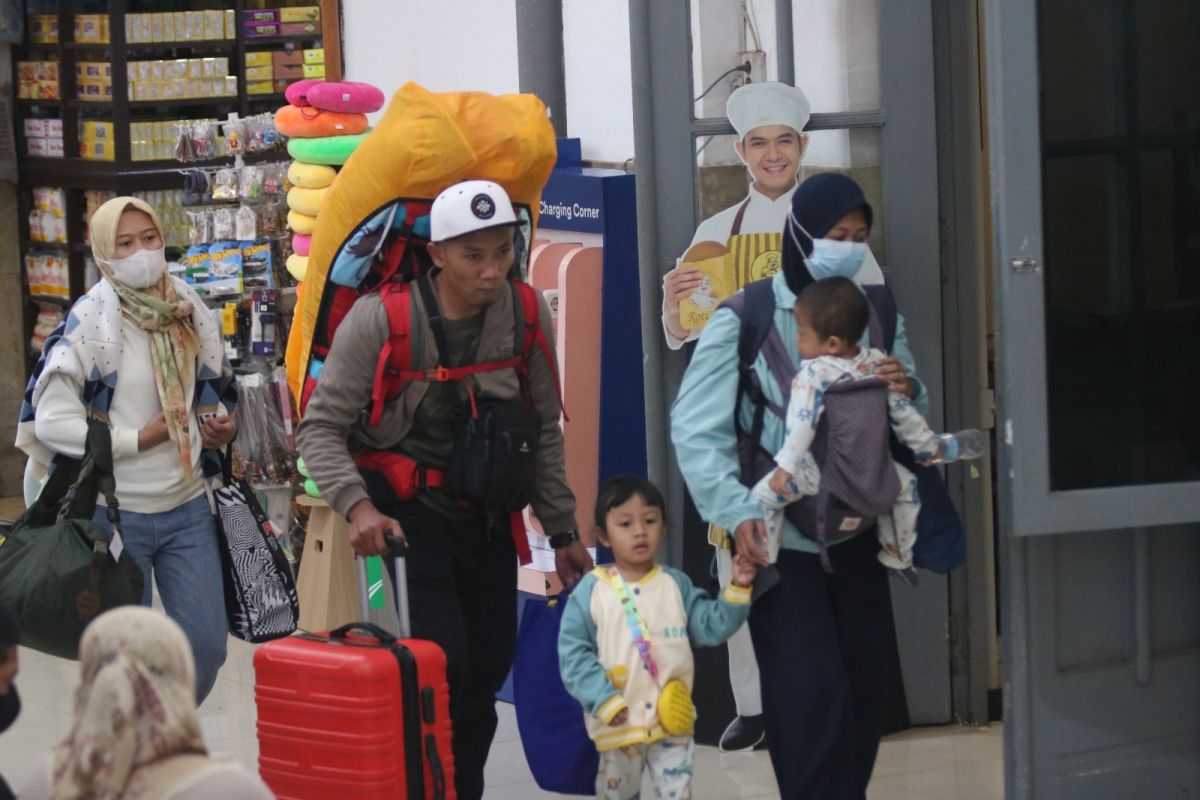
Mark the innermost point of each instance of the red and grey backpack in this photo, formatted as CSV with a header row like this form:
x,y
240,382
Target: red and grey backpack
x,y
388,255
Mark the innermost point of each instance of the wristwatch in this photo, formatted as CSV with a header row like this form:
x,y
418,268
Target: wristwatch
x,y
561,540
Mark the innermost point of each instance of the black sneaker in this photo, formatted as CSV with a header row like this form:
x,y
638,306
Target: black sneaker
x,y
744,733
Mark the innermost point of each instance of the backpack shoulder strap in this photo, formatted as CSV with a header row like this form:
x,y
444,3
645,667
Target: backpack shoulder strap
x,y
433,315
883,306
755,308
529,333
395,359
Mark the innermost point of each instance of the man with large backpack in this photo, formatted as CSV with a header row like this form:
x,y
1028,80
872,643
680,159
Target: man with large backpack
x,y
435,418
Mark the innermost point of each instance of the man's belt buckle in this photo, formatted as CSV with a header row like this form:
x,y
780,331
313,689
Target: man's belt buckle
x,y
421,477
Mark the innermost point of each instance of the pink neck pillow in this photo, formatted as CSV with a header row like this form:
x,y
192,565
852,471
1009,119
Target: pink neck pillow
x,y
297,93
347,97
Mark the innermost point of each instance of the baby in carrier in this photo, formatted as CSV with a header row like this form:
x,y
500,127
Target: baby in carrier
x,y
831,316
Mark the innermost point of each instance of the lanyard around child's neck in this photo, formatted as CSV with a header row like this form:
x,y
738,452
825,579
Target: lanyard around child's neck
x,y
637,625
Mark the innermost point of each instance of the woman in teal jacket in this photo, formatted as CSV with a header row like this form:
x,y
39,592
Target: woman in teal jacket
x,y
820,638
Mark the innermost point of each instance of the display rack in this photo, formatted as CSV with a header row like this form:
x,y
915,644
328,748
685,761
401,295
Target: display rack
x,y
76,175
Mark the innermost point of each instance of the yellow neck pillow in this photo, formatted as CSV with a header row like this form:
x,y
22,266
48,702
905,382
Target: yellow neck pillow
x,y
310,176
306,201
301,223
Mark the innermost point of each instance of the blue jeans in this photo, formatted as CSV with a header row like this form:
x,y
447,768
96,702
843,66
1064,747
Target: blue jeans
x,y
180,548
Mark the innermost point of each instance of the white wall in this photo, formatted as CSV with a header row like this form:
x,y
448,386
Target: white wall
x,y
457,45
598,81
444,45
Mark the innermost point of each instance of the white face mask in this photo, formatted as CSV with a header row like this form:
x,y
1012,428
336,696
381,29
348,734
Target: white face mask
x,y
870,271
142,269
830,258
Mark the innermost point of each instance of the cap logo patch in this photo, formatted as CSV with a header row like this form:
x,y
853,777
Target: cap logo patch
x,y
483,206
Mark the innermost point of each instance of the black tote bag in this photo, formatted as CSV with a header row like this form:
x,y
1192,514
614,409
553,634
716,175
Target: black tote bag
x,y
57,571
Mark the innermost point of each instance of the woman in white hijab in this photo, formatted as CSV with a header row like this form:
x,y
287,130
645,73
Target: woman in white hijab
x,y
136,734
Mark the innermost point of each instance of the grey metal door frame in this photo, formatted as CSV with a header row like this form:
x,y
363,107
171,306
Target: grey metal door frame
x,y
667,216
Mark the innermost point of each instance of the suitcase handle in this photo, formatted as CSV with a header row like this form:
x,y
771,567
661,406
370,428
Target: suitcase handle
x,y
397,549
379,633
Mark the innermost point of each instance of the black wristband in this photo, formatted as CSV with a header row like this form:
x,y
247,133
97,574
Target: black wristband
x,y
561,540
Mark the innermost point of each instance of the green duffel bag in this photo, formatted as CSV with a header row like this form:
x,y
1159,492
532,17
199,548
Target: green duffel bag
x,y
57,572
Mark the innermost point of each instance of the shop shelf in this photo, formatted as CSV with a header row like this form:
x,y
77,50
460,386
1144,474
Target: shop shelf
x,y
256,41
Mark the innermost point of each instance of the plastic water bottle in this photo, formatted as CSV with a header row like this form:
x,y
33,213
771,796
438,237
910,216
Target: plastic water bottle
x,y
961,446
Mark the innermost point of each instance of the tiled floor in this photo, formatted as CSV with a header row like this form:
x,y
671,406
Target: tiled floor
x,y
947,763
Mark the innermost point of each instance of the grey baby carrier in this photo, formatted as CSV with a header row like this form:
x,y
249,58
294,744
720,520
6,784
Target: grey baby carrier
x,y
852,442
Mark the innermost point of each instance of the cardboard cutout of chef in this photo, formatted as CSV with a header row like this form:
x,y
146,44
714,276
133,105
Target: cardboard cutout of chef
x,y
743,243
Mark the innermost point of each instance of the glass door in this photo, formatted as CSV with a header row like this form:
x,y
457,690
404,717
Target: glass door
x,y
1096,162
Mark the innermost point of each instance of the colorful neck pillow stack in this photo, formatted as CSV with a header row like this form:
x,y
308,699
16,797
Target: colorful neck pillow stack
x,y
325,121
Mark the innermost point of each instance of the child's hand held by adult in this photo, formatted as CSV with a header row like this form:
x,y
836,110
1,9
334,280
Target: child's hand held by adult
x,y
744,571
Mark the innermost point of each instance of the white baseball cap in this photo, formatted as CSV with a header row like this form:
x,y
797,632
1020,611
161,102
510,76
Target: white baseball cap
x,y
757,104
469,207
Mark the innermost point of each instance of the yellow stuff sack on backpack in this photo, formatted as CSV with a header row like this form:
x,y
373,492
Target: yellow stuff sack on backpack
x,y
424,143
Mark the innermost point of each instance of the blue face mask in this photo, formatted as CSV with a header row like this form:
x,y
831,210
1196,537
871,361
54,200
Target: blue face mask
x,y
829,258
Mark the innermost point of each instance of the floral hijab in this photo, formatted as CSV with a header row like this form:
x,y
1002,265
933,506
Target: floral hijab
x,y
134,708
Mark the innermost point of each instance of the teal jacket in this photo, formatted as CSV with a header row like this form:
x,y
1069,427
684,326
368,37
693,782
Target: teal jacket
x,y
702,415
600,664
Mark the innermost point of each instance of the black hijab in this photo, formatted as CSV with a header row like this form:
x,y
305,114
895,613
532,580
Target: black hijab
x,y
818,204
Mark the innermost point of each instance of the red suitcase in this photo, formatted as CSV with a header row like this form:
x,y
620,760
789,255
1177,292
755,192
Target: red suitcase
x,y
347,715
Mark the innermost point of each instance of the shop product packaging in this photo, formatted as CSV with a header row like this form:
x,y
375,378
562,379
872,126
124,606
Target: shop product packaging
x,y
258,266
286,73
261,449
300,14
300,29
257,30
257,15
287,57
259,58
314,56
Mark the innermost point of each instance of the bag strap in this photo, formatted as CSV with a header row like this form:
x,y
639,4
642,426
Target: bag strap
x,y
638,628
755,307
394,367
433,315
883,302
530,324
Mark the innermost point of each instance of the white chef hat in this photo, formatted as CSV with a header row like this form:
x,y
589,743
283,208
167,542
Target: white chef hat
x,y
757,104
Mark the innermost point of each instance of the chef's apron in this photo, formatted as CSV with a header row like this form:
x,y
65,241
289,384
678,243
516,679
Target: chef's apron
x,y
752,257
